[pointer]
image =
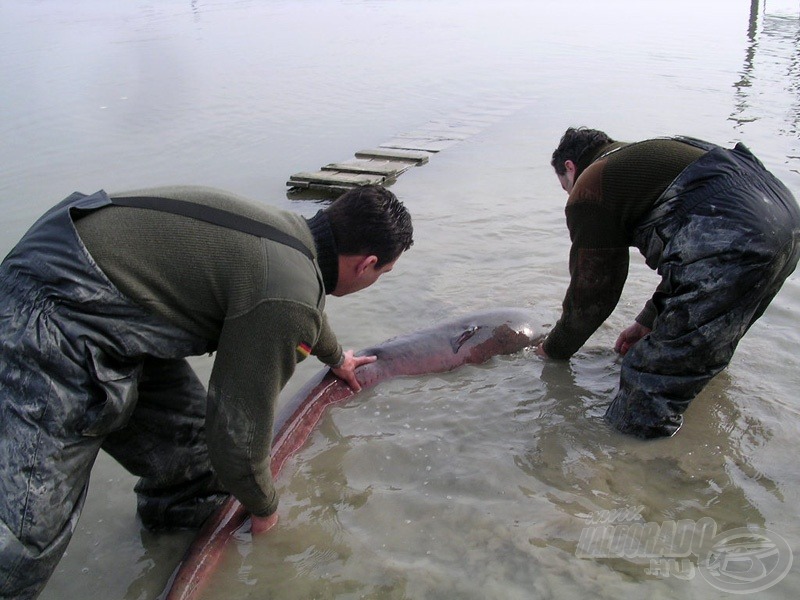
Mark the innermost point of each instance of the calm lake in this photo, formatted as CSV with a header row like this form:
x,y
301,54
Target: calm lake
x,y
487,482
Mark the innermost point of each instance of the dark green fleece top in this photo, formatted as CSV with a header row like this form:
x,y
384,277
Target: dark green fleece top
x,y
615,188
258,302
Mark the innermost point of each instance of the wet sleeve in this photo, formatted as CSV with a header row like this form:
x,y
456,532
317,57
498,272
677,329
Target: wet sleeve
x,y
648,315
597,276
598,267
256,355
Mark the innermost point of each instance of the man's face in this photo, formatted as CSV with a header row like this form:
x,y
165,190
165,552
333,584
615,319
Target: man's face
x,y
357,277
567,180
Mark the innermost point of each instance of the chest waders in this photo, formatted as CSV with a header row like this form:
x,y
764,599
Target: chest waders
x,y
723,237
83,368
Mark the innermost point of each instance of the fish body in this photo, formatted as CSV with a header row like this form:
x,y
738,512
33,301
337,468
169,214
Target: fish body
x,y
471,339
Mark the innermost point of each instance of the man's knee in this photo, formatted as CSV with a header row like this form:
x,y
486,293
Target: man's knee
x,y
646,418
654,392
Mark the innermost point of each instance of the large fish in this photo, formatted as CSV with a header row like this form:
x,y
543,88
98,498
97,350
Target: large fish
x,y
472,339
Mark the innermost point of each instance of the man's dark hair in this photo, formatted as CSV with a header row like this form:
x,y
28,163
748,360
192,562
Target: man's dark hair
x,y
575,142
371,220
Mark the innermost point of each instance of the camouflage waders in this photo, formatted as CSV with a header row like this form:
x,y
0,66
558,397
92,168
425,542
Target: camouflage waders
x,y
724,237
83,368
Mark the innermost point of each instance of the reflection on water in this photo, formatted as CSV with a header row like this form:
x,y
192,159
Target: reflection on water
x,y
603,471
772,62
396,498
476,484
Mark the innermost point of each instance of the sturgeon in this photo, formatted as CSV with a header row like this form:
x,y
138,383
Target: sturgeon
x,y
471,339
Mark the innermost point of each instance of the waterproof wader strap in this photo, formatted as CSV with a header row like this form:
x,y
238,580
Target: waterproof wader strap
x,y
215,216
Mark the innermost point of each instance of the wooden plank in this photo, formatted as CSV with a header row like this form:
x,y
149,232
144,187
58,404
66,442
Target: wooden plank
x,y
464,128
387,168
382,165
466,118
337,177
328,189
417,158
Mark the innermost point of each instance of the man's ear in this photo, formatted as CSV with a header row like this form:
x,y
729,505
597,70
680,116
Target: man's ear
x,y
365,263
570,166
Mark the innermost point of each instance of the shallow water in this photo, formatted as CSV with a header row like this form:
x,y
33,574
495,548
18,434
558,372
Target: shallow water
x,y
473,484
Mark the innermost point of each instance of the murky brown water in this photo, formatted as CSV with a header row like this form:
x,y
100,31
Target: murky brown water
x,y
479,483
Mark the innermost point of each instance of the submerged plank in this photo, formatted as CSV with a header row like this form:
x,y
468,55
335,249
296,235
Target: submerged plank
x,y
436,133
430,144
415,157
382,165
461,128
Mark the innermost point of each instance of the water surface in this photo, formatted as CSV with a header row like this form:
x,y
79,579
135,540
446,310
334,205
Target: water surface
x,y
474,484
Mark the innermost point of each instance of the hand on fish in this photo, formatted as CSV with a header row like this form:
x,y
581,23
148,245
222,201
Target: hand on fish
x,y
347,371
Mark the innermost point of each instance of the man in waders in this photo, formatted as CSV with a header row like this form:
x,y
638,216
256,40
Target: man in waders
x,y
100,303
721,231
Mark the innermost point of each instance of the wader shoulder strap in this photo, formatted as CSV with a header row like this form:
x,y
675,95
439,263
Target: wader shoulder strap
x,y
215,216
692,141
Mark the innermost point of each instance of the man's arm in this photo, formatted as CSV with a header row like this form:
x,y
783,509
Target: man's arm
x,y
597,276
327,349
256,355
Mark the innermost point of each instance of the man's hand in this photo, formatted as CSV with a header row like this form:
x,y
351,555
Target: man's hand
x,y
540,351
262,524
347,371
629,337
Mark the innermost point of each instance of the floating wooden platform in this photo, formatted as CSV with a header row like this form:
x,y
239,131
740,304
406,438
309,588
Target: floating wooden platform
x,y
370,167
384,164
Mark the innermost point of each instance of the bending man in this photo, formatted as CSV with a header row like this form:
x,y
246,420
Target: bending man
x,y
100,303
721,231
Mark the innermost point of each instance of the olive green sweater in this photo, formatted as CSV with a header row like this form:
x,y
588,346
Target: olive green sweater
x,y
258,302
615,188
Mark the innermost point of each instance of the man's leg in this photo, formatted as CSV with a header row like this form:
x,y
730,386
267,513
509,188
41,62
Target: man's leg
x,y
25,565
708,304
164,443
43,490
44,462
